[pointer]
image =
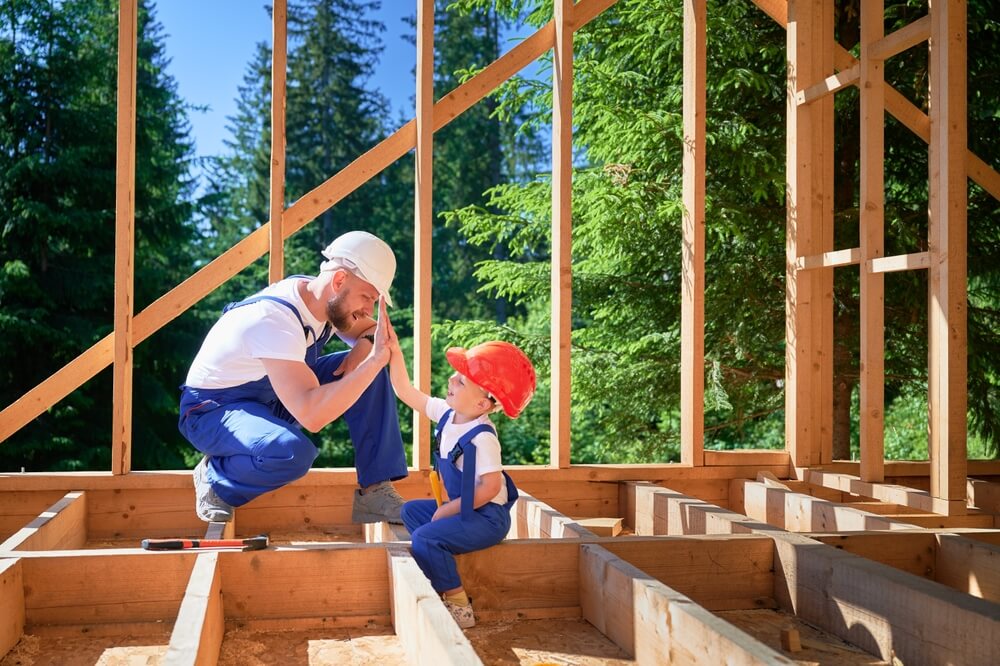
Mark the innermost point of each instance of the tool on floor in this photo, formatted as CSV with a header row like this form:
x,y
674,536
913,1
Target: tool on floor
x,y
436,485
250,543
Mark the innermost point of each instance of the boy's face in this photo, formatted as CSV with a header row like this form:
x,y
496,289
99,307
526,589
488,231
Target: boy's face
x,y
467,398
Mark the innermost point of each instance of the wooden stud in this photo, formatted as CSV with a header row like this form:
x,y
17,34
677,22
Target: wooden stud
x,y
902,262
11,604
833,259
200,625
947,308
693,242
279,71
121,428
423,216
871,232
562,233
809,333
62,525
425,627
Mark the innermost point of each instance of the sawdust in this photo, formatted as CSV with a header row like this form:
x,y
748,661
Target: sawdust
x,y
328,647
560,642
88,651
327,534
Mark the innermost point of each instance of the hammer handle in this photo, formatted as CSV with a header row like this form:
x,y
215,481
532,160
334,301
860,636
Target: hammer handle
x,y
184,544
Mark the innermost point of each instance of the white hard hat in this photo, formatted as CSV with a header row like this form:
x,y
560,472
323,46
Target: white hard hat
x,y
367,256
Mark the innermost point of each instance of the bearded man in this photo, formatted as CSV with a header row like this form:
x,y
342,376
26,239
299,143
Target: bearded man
x,y
260,378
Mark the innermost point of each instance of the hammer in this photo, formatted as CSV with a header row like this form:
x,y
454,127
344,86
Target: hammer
x,y
251,543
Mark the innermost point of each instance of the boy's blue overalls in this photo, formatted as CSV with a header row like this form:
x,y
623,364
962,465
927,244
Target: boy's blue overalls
x,y
435,544
255,445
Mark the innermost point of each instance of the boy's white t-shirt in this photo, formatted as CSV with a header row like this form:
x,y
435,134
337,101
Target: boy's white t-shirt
x,y
232,351
487,444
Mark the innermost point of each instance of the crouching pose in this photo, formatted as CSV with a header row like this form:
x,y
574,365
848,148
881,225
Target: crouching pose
x,y
488,377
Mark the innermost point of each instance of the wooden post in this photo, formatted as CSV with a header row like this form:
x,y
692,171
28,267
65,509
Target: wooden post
x,y
423,216
946,306
693,258
279,60
808,345
871,233
562,224
121,439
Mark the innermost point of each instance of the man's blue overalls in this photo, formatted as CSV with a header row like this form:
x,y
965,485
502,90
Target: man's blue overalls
x,y
255,446
435,544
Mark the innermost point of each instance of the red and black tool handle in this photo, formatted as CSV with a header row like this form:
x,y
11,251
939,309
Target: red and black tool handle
x,y
251,543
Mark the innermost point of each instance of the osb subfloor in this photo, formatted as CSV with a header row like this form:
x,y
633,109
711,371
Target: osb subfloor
x,y
818,647
88,651
549,642
317,647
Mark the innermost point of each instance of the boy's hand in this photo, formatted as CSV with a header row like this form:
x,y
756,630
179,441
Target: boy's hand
x,y
384,336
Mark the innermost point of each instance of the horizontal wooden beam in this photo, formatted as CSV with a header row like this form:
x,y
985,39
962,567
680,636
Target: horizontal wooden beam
x,y
747,457
901,262
200,625
832,259
534,519
886,492
620,599
62,525
424,626
903,468
910,35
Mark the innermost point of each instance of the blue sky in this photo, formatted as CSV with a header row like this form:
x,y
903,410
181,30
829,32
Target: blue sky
x,y
210,43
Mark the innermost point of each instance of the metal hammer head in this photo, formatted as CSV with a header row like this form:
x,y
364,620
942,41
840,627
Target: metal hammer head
x,y
255,543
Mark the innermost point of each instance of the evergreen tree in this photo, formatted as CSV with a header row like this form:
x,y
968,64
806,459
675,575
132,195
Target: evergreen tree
x,y
57,188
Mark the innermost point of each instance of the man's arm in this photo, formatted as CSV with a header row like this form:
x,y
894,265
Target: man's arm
x,y
314,405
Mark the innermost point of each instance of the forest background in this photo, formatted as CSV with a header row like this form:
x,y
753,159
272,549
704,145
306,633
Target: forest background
x,y
492,220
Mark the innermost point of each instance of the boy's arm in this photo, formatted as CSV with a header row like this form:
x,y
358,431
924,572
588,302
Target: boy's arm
x,y
405,391
486,490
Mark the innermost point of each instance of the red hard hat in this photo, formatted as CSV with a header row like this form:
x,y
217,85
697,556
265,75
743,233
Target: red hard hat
x,y
499,368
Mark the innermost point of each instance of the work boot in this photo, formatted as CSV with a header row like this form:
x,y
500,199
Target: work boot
x,y
463,615
380,502
209,506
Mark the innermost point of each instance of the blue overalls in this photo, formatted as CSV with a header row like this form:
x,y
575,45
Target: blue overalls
x,y
435,544
255,445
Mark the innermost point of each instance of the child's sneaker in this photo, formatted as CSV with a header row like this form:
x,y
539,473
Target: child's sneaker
x,y
463,614
379,503
210,507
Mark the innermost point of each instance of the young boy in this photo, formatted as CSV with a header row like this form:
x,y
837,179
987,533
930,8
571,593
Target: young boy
x,y
488,377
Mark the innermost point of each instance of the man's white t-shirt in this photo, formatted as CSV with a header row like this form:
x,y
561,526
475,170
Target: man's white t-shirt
x,y
487,444
232,351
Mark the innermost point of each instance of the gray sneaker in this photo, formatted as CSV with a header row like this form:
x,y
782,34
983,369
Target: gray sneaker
x,y
379,503
209,506
463,615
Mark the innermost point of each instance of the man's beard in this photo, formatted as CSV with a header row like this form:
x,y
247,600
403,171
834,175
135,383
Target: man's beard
x,y
337,312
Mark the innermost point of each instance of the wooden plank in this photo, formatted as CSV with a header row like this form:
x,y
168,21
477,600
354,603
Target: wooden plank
x,y
872,232
886,612
117,514
902,262
12,603
719,573
909,35
693,238
345,581
20,507
823,179
121,419
423,216
984,495
99,587
200,625
828,86
947,246
656,624
425,627
902,495
968,565
538,520
279,72
747,457
607,527
562,234
62,526
913,552
796,512
834,259
534,578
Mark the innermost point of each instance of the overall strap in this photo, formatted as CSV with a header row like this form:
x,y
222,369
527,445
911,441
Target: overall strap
x,y
306,329
466,448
